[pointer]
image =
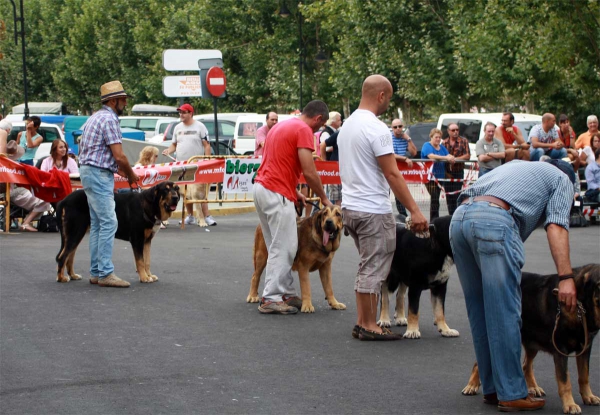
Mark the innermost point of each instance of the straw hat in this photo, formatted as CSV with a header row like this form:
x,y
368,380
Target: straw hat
x,y
14,151
111,90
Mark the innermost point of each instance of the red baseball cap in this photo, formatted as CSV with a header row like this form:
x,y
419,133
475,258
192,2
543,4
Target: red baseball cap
x,y
186,107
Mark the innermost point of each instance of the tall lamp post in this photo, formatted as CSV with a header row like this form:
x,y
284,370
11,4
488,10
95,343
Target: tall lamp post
x,y
285,12
21,32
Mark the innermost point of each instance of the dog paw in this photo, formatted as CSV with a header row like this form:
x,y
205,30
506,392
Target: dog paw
x,y
307,308
571,408
450,333
63,279
412,334
252,298
536,391
401,321
338,306
591,400
471,389
384,323
154,278
202,223
147,280
75,277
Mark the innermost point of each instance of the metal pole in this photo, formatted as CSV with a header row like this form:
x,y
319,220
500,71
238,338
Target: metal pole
x,y
22,33
301,55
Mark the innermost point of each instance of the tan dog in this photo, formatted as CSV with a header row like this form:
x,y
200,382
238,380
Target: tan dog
x,y
318,239
198,192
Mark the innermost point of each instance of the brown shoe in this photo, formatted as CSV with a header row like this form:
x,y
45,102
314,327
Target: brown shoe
x,y
526,404
271,307
93,280
112,281
387,335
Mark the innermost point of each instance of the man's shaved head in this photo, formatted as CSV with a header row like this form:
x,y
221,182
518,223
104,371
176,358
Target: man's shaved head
x,y
376,94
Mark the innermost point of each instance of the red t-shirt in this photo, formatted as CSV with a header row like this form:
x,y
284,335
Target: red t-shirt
x,y
280,166
508,138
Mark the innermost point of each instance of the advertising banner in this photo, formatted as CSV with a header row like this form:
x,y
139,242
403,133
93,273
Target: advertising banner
x,y
239,175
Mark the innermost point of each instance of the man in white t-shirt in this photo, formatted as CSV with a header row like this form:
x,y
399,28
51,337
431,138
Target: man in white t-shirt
x,y
190,138
368,169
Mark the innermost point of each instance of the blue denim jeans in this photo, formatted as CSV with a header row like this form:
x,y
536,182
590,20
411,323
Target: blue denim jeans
x,y
98,185
489,255
536,153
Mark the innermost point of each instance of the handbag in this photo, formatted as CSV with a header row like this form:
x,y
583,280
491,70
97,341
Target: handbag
x,y
48,223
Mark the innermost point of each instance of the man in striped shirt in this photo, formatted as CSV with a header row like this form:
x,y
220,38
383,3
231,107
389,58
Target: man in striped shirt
x,y
496,215
402,144
101,156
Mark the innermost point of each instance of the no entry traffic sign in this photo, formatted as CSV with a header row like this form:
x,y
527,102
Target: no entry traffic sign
x,y
215,81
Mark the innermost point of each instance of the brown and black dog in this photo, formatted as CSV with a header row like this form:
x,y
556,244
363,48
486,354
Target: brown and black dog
x,y
139,216
318,239
539,309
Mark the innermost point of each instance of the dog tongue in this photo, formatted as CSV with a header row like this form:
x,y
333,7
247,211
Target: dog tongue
x,y
174,208
325,237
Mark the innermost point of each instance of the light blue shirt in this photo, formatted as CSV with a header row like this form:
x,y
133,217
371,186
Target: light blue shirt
x,y
536,192
592,175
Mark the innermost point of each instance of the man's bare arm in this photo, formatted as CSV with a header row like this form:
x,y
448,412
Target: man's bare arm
x,y
388,166
310,174
558,239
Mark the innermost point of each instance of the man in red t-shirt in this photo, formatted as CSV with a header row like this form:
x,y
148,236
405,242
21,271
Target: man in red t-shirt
x,y
567,136
287,153
509,133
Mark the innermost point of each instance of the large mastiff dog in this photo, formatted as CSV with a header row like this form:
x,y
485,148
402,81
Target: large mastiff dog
x,y
541,329
318,239
139,216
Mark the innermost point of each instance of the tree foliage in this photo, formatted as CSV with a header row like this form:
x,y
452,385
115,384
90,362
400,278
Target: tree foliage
x,y
440,55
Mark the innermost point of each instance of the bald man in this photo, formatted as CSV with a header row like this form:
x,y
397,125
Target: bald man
x,y
368,170
544,140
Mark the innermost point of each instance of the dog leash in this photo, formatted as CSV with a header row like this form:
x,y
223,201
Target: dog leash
x,y
581,317
299,209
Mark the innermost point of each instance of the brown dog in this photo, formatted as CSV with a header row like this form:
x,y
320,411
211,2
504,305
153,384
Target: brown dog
x,y
537,331
318,239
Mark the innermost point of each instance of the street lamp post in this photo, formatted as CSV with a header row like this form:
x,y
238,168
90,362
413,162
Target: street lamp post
x,y
21,32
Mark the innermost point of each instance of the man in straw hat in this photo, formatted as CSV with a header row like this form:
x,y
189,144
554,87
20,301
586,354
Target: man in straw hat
x,y
101,155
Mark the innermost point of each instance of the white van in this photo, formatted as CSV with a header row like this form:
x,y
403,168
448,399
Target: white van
x,y
471,125
245,131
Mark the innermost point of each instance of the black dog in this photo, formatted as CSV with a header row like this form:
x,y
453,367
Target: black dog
x,y
419,264
139,216
539,310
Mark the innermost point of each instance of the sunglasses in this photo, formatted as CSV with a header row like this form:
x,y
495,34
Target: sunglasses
x,y
397,126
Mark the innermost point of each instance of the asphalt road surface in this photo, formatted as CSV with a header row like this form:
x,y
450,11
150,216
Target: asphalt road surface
x,y
190,344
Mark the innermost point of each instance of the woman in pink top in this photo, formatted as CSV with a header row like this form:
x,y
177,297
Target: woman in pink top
x,y
59,158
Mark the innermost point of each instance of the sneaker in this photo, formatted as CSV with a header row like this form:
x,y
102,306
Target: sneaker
x,y
93,280
293,301
190,220
112,281
210,221
271,307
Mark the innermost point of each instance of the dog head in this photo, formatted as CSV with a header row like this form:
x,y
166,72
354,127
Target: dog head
x,y
587,279
163,198
328,227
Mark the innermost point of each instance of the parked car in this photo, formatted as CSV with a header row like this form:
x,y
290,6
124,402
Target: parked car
x,y
226,129
71,124
49,133
471,125
147,124
419,133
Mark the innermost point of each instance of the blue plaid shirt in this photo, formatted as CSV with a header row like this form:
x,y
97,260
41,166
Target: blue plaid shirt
x,y
537,192
100,131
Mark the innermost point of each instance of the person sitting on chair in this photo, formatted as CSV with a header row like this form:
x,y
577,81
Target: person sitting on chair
x,y
59,158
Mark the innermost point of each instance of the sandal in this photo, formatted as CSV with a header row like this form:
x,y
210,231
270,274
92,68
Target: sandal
x,y
27,227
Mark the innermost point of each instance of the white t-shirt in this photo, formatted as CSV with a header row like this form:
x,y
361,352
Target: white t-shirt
x,y
189,140
360,142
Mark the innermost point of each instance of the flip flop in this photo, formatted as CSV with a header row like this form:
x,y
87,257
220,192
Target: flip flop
x,y
27,227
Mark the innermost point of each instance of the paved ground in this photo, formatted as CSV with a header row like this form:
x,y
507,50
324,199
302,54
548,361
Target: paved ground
x,y
191,344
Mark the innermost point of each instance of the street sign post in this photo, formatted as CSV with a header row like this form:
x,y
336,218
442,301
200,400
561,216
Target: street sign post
x,y
215,81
